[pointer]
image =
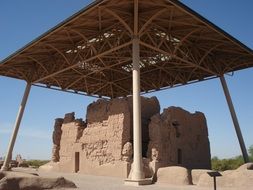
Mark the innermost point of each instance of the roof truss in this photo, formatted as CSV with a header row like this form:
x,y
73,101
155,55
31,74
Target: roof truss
x,y
91,52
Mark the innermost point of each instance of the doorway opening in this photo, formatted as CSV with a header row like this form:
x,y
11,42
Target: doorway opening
x,y
179,156
77,162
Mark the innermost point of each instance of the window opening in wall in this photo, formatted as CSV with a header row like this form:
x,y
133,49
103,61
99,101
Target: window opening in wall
x,y
176,124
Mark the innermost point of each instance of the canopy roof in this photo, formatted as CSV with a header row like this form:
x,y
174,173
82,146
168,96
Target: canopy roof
x,y
91,52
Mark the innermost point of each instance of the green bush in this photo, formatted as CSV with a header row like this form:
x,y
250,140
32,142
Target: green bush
x,y
36,163
227,164
231,163
250,150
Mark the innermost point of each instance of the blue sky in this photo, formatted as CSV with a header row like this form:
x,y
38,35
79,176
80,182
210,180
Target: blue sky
x,y
22,21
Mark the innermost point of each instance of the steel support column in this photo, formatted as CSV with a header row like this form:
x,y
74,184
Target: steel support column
x,y
137,171
137,176
16,128
234,118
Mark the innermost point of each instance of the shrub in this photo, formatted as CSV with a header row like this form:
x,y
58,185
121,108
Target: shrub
x,y
36,163
250,150
226,164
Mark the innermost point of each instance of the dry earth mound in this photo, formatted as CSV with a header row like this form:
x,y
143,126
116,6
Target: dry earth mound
x,y
24,181
241,178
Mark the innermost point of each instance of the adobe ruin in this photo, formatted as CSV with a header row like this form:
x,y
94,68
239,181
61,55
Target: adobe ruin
x,y
103,142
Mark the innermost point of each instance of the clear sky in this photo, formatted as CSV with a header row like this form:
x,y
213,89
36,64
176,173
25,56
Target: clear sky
x,y
22,21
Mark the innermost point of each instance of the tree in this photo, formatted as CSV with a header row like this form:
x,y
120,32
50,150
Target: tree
x,y
230,163
250,150
226,164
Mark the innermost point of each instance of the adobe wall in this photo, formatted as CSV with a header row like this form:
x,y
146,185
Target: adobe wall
x,y
178,137
103,143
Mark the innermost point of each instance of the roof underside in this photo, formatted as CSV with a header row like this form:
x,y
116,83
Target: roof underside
x,y
91,52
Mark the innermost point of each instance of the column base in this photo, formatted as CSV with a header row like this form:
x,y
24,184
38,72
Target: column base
x,y
4,169
131,182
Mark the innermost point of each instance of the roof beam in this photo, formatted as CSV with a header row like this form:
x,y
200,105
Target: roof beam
x,y
83,37
184,39
178,58
151,19
120,19
102,69
86,60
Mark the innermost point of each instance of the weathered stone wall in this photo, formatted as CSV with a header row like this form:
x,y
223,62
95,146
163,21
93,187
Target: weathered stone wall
x,y
178,137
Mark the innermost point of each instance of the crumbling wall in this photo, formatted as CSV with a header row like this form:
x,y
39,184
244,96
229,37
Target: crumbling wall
x,y
101,142
109,127
105,142
72,130
149,107
178,137
56,140
106,122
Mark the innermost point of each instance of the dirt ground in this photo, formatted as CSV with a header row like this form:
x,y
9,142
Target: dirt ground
x,y
89,182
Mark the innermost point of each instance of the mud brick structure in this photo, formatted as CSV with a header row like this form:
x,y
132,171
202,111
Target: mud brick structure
x,y
56,140
178,137
104,141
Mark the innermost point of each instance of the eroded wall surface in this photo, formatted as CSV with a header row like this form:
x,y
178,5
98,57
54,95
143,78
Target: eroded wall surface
x,y
103,142
178,137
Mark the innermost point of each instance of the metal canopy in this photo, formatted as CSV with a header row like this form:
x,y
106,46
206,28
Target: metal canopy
x,y
91,52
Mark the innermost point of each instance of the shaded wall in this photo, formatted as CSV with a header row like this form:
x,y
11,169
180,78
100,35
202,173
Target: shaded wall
x,y
178,137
